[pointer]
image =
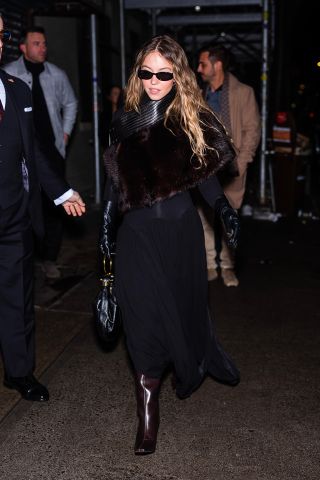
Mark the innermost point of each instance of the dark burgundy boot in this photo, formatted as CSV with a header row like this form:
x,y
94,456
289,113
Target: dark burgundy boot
x,y
148,413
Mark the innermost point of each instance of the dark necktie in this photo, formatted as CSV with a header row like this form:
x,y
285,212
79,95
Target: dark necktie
x,y
1,111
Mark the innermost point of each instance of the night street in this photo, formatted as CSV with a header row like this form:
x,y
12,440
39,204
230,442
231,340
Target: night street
x,y
120,122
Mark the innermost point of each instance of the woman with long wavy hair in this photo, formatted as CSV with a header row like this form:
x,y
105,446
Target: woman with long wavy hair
x,y
165,144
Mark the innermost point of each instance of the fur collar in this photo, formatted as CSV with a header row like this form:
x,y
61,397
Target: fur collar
x,y
157,163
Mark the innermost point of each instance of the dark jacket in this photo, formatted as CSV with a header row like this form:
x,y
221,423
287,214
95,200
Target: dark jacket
x,y
40,172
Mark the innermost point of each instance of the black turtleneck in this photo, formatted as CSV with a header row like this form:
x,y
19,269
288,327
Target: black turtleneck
x,y
151,112
42,123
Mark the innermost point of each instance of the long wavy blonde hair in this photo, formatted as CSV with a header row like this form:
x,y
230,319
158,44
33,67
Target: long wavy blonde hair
x,y
188,102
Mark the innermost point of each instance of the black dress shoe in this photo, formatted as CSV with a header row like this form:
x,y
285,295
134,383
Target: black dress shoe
x,y
28,387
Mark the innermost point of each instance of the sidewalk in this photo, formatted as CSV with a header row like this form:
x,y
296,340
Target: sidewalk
x,y
267,428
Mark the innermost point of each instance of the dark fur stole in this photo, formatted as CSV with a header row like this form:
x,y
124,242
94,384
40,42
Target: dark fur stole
x,y
156,163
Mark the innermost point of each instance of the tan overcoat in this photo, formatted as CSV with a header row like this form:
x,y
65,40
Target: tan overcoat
x,y
246,131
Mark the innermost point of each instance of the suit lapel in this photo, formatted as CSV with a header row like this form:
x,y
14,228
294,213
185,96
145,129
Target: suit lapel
x,y
12,91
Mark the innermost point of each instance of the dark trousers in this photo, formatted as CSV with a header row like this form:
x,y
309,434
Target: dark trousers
x,y
53,216
53,227
16,290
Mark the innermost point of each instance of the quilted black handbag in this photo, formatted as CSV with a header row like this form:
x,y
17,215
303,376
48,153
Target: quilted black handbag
x,y
106,310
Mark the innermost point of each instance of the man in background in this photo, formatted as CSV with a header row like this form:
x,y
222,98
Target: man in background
x,y
235,104
55,109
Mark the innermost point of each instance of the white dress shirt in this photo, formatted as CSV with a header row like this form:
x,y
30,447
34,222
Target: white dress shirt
x,y
2,94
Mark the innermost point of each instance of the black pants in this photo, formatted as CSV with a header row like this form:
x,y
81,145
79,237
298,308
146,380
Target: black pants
x,y
53,216
53,225
16,290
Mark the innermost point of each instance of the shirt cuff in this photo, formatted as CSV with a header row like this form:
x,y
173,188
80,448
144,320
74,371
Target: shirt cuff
x,y
63,197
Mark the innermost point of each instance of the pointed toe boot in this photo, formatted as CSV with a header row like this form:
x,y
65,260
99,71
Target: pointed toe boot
x,y
148,414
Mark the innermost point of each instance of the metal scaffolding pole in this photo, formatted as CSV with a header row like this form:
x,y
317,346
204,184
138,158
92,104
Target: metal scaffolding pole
x,y
264,100
154,21
95,106
122,45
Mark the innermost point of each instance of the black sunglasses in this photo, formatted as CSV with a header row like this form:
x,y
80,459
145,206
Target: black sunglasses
x,y
5,35
147,75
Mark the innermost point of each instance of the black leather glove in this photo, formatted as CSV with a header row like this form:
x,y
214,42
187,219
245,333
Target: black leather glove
x,y
230,220
107,240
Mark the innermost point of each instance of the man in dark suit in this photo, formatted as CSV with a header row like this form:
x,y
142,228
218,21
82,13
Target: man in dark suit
x,y
21,165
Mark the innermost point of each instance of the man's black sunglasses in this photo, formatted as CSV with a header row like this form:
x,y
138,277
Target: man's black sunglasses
x,y
5,35
147,75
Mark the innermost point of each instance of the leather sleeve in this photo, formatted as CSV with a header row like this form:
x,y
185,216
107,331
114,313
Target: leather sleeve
x,y
107,240
210,190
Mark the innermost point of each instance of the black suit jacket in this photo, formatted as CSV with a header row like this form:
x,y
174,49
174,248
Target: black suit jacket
x,y
40,171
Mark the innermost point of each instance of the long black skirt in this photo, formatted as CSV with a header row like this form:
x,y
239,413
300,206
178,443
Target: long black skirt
x,y
162,290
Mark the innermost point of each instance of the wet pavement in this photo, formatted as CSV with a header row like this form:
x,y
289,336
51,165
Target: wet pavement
x,y
267,428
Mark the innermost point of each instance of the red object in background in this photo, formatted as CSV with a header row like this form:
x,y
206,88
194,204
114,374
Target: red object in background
x,y
283,132
281,117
